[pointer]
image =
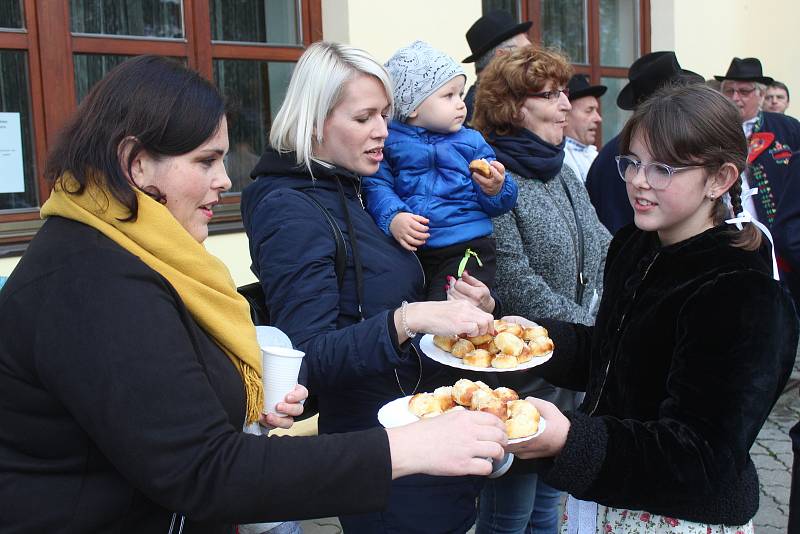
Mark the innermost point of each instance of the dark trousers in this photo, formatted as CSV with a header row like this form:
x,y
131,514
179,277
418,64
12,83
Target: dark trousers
x,y
439,263
794,500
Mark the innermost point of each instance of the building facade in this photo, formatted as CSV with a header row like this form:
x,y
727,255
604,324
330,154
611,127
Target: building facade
x,y
53,51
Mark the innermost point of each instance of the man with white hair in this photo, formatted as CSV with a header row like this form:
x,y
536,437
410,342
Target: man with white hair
x,y
773,139
583,121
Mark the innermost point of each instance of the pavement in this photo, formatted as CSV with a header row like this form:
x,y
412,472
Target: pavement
x,y
771,454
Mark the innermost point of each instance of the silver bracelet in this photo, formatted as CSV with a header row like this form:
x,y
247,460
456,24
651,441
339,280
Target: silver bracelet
x,y
410,333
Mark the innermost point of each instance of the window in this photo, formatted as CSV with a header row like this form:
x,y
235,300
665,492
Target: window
x,y
247,47
601,38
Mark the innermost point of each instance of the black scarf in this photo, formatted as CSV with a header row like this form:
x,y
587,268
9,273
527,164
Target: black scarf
x,y
525,153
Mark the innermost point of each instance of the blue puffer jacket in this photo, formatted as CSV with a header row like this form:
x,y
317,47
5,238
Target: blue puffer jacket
x,y
427,173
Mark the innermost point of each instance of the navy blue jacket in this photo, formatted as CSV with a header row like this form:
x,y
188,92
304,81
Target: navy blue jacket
x,y
786,232
607,190
427,173
771,171
350,364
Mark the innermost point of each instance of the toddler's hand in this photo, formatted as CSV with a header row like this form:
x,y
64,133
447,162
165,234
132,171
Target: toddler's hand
x,y
493,184
410,230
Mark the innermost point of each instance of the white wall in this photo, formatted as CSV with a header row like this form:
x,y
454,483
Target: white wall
x,y
707,34
232,250
7,265
381,27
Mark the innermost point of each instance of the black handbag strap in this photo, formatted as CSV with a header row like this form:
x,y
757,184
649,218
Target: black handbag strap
x,y
581,286
341,252
254,292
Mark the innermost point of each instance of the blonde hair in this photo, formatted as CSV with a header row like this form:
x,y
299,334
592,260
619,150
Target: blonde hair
x,y
316,87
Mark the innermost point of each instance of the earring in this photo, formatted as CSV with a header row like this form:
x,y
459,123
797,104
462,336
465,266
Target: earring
x,y
711,197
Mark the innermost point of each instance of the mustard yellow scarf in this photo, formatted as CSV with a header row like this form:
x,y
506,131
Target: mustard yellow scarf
x,y
202,280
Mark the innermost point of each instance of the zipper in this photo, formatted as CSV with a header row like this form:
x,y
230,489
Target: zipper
x,y
619,329
574,243
358,194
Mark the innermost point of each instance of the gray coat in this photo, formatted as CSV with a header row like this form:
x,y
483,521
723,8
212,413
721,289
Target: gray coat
x,y
537,273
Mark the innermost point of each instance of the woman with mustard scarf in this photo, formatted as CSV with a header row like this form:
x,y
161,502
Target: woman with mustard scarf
x,y
128,362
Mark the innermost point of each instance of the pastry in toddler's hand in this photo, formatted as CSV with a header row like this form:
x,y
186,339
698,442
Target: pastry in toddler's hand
x,y
481,166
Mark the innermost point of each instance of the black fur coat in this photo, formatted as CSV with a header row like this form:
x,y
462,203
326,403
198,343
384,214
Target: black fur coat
x,y
692,346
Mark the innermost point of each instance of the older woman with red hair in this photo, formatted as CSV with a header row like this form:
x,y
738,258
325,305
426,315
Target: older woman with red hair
x,y
550,249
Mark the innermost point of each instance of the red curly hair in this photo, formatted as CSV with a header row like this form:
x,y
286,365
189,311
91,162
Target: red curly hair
x,y
505,83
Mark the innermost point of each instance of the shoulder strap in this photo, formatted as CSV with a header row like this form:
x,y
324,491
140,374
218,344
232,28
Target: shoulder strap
x,y
254,292
581,286
341,252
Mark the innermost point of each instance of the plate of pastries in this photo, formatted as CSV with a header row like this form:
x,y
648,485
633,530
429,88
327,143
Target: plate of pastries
x,y
513,347
522,419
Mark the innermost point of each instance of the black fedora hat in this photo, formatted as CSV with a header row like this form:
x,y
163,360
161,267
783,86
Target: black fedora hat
x,y
579,87
648,73
490,30
746,70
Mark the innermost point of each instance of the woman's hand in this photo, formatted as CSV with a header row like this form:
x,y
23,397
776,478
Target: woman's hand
x,y
494,183
551,441
291,406
410,230
447,318
472,290
454,444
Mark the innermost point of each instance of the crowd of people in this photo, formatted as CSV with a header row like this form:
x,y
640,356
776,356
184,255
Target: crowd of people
x,y
665,267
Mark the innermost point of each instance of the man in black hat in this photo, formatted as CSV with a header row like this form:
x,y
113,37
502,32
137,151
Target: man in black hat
x,y
772,138
494,33
606,189
582,123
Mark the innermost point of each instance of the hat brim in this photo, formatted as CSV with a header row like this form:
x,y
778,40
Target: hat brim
x,y
499,38
626,99
593,90
766,80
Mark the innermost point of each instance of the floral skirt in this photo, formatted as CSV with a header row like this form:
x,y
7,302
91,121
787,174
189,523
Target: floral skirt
x,y
610,520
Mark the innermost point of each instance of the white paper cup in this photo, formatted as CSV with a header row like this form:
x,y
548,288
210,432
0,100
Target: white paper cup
x,y
499,467
281,368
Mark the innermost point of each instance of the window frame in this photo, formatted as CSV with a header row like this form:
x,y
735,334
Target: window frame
x,y
51,46
532,9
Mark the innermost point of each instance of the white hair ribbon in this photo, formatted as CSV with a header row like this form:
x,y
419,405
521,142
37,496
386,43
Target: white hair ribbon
x,y
745,216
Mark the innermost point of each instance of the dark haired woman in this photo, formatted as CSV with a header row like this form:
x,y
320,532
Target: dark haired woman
x,y
692,345
128,363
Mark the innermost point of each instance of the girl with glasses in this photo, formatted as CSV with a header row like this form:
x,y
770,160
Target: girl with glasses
x,y
693,342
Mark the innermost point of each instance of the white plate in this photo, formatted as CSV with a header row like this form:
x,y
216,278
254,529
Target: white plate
x,y
396,413
445,358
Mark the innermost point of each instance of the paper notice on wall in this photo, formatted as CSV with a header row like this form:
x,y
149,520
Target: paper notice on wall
x,y
12,175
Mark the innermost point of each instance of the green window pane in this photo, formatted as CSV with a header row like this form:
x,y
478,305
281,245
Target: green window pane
x,y
256,21
15,98
11,14
619,32
613,117
141,18
564,26
90,69
509,6
254,91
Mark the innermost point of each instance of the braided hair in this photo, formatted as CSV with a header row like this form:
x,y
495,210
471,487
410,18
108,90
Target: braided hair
x,y
693,125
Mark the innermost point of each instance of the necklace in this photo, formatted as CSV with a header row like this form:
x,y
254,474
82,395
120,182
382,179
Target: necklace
x,y
419,378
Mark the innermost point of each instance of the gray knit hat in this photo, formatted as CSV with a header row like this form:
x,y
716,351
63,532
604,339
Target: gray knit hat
x,y
417,71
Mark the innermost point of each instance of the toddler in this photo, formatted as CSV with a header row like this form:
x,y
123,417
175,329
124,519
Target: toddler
x,y
424,194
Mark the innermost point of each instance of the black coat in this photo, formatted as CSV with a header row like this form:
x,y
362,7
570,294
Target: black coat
x,y
118,410
692,346
607,189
